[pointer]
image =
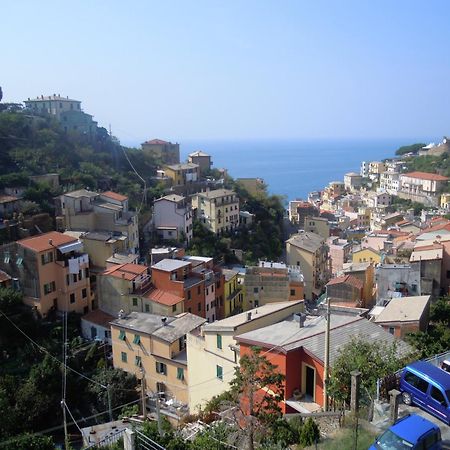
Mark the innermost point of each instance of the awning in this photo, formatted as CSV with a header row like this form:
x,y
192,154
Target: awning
x,y
72,247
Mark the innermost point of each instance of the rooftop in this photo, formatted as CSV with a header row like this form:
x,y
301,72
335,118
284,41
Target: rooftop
x,y
288,335
216,193
171,198
426,176
306,240
168,329
231,323
169,265
156,142
183,166
126,271
114,196
163,297
98,317
347,279
404,309
198,153
54,97
47,241
81,193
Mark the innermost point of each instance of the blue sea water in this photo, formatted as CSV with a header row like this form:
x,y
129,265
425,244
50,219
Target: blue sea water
x,y
294,167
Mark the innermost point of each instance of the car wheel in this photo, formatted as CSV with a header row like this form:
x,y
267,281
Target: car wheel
x,y
406,397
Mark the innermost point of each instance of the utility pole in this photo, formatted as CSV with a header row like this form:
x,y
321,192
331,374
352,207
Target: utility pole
x,y
66,434
143,396
108,390
327,355
158,415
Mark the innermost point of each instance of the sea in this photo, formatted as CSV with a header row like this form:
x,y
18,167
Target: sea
x,y
293,168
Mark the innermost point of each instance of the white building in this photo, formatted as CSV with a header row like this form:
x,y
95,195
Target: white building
x,y
364,170
390,182
172,217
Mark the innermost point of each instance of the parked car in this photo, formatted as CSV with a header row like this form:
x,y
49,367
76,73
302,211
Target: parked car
x,y
428,387
411,432
445,365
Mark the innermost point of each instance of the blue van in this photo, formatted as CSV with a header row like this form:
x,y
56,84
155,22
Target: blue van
x,y
411,432
428,387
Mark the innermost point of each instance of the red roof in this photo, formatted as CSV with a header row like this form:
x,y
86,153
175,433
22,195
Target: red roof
x,y
4,276
164,297
99,317
428,247
347,279
156,142
127,271
115,196
42,243
426,176
441,226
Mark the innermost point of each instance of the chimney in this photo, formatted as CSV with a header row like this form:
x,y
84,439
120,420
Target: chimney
x,y
301,321
249,316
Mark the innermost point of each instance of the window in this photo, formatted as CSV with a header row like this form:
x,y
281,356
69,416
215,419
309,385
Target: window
x,y
219,372
49,287
391,330
212,288
431,439
416,382
122,335
138,361
199,307
207,307
255,290
198,290
135,301
74,277
72,297
47,258
438,396
189,294
292,291
219,341
124,357
174,308
136,339
67,279
147,308
180,373
161,368
84,293
182,342
189,310
80,275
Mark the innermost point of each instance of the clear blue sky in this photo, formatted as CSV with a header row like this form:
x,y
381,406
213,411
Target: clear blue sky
x,y
236,69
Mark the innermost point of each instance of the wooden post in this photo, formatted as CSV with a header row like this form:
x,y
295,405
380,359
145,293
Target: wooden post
x,y
129,440
354,392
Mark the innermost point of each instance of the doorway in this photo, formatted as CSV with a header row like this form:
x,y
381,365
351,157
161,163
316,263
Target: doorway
x,y
309,381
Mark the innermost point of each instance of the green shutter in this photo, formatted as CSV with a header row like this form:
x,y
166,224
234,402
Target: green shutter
x,y
180,373
138,361
124,357
122,335
219,341
137,339
219,372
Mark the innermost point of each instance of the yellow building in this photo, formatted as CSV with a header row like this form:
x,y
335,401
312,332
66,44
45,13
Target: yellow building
x,y
318,225
445,201
155,346
218,210
310,252
183,174
366,255
233,297
213,353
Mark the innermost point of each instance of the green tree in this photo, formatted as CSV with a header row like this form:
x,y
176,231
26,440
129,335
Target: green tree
x,y
250,386
29,442
10,300
413,148
310,433
373,359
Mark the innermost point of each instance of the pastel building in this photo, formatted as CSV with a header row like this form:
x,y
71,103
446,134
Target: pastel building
x,y
202,159
52,270
166,152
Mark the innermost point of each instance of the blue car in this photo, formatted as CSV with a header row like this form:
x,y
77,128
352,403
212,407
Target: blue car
x,y
411,432
428,387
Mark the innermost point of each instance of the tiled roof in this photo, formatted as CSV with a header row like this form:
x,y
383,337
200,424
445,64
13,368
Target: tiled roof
x,y
216,193
404,309
198,153
156,142
306,240
126,271
347,279
98,317
115,196
426,176
171,198
163,297
42,243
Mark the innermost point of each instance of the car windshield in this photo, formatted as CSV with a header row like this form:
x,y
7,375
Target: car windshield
x,y
390,441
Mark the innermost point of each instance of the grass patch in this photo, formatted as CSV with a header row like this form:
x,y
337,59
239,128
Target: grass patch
x,y
345,439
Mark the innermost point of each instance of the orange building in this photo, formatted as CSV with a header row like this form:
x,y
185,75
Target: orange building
x,y
52,271
297,347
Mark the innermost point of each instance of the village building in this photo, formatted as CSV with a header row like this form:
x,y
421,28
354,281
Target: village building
x,y
164,151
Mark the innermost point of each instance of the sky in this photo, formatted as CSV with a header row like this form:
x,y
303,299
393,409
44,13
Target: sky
x,y
249,69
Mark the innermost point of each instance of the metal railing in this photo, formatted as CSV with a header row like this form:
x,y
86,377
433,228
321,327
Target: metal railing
x,y
143,442
107,440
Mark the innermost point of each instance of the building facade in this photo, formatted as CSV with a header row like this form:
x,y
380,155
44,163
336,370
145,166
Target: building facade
x,y
166,152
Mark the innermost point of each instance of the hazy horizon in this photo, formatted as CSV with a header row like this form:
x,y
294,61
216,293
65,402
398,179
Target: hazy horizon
x,y
236,70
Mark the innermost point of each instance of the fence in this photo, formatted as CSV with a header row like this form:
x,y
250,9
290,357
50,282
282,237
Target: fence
x,y
107,440
142,442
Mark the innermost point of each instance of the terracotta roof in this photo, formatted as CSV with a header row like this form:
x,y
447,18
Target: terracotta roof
x,y
367,248
41,243
347,279
156,142
441,226
98,317
7,199
426,176
163,297
115,196
126,271
4,276
428,247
